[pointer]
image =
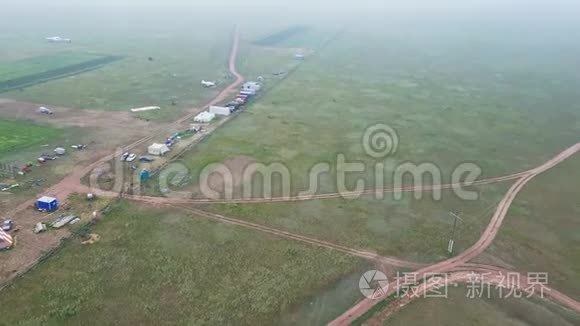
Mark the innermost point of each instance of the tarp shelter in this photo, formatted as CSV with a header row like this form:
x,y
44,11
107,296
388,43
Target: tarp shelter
x,y
6,240
145,175
220,110
147,108
204,117
158,149
46,203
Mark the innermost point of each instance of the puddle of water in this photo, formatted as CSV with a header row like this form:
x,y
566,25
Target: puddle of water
x,y
328,304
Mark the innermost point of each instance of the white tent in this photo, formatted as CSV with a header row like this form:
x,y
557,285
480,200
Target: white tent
x,y
220,110
158,149
251,86
60,151
204,117
147,108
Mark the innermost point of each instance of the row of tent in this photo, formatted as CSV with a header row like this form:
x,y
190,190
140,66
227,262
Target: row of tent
x,y
248,91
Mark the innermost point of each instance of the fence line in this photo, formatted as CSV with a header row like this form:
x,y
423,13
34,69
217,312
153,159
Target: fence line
x,y
55,249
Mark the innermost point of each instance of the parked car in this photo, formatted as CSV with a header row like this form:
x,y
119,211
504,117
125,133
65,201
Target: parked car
x,y
146,159
48,157
44,110
124,156
7,225
131,157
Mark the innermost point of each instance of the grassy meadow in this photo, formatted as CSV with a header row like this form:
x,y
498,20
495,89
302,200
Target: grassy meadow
x,y
458,309
454,109
541,231
165,56
166,267
34,65
491,96
19,135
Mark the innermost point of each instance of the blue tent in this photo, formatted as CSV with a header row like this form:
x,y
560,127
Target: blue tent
x,y
145,175
46,203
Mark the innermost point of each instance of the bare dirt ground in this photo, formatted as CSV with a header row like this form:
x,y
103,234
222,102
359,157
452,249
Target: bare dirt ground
x,y
30,246
67,117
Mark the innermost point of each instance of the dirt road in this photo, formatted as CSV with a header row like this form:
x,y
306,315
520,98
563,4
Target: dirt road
x,y
350,194
29,247
479,247
72,183
476,274
292,236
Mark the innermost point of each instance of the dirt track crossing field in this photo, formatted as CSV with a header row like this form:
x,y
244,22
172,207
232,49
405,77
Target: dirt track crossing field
x,y
31,247
456,265
483,243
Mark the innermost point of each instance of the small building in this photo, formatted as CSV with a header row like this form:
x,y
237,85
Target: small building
x,y
158,149
220,110
204,117
47,204
251,86
299,56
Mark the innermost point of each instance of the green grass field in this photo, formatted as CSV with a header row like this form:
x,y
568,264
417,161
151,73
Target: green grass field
x,y
167,267
457,309
181,56
18,135
413,229
454,95
541,231
323,108
34,65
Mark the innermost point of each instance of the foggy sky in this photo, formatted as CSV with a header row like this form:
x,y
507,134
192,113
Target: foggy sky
x,y
474,7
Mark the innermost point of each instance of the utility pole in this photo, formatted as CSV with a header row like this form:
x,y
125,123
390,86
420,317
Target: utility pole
x,y
452,239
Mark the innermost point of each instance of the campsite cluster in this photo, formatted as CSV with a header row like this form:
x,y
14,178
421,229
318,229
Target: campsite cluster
x,y
47,204
43,159
248,91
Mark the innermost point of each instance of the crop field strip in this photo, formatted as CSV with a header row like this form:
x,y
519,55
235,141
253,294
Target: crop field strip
x,y
53,74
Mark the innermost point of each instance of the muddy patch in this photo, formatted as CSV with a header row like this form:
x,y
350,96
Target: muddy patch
x,y
62,116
